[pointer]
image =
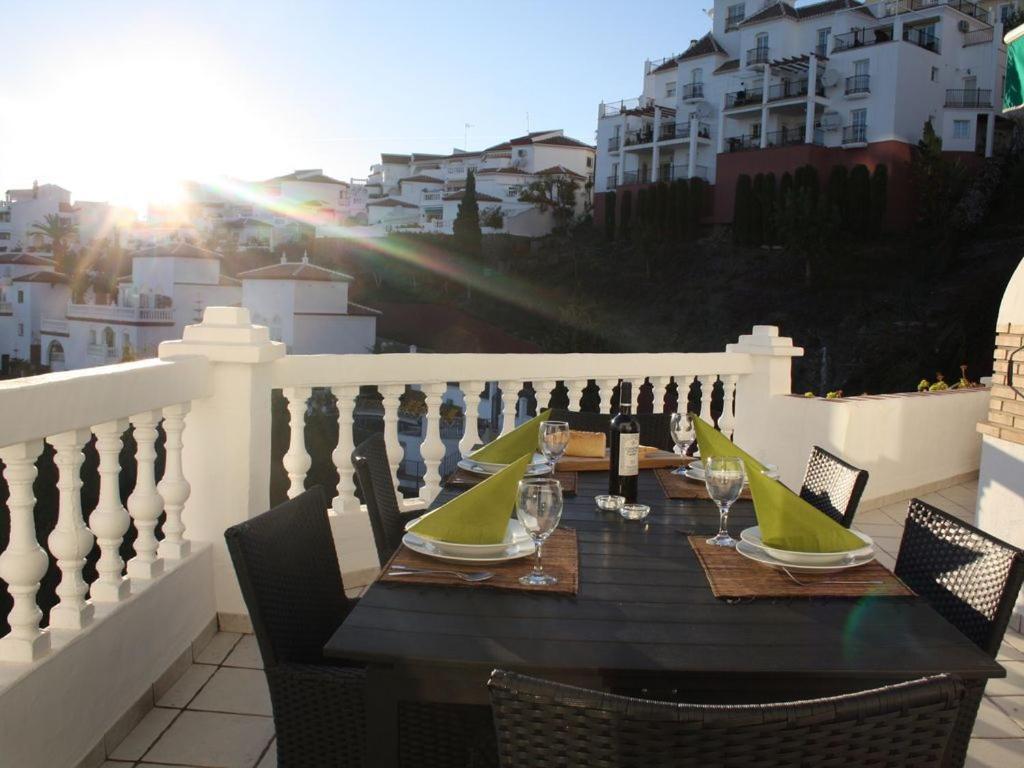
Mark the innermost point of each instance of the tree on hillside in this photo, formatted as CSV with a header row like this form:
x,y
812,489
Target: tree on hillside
x,y
59,232
879,198
466,228
741,218
858,202
609,215
938,181
554,194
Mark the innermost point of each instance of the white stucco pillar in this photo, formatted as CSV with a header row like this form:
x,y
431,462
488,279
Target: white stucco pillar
x,y
226,453
812,81
656,153
721,129
620,176
691,167
764,106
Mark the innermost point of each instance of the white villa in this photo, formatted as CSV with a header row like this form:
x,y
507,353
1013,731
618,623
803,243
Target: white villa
x,y
422,192
21,209
779,84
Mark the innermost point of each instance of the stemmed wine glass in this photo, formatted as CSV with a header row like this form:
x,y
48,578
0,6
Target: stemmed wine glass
x,y
539,508
681,429
723,476
553,439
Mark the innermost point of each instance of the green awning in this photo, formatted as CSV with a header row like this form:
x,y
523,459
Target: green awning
x,y
1013,90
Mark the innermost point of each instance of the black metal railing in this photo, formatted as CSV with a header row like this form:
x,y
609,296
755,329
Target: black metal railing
x,y
969,97
855,134
759,55
742,143
669,131
821,50
613,144
644,135
967,7
858,84
693,91
630,177
611,182
922,38
858,38
793,89
733,20
744,97
787,137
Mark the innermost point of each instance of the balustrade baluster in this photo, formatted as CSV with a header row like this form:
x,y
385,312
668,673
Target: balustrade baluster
x,y
432,449
542,391
659,387
635,385
173,488
296,461
727,421
346,500
145,504
574,390
70,541
707,386
109,521
509,403
471,414
23,564
392,394
607,390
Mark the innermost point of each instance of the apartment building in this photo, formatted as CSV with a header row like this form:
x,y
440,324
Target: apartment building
x,y
776,85
421,192
22,209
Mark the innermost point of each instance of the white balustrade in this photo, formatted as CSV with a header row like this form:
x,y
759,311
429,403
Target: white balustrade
x,y
297,460
70,541
433,449
392,395
346,500
109,521
23,564
575,389
470,434
607,389
542,390
173,487
145,503
509,404
727,421
707,385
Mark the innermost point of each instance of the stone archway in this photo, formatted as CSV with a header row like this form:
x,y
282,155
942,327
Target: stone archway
x,y
55,356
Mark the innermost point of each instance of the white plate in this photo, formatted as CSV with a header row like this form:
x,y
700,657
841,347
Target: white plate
x,y
538,466
514,534
514,551
753,537
760,556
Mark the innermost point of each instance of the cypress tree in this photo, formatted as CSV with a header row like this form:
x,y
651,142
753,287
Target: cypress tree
x,y
858,201
879,198
757,211
741,217
695,206
681,206
664,206
835,193
768,206
786,185
466,228
642,212
626,214
609,214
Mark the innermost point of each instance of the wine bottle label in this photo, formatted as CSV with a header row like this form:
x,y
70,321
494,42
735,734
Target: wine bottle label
x,y
629,455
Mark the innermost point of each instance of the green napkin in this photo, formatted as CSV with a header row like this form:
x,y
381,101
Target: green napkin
x,y
481,514
521,440
786,521
789,522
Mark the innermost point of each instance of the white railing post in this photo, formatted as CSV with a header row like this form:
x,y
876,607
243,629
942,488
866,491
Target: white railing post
x,y
470,415
659,386
226,457
173,487
109,521
70,541
145,504
607,390
727,421
297,461
432,449
574,389
509,404
23,564
392,394
542,392
346,500
707,388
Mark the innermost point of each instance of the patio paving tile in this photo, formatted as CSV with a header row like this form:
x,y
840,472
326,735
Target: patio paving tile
x,y
1013,706
1008,653
182,692
963,495
144,734
214,740
246,654
1012,684
270,759
995,753
218,648
1015,639
232,689
994,723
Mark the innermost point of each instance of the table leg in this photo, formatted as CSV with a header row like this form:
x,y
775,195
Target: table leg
x,y
381,717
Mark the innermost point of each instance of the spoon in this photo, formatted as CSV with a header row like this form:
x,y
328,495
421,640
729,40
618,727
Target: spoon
x,y
471,576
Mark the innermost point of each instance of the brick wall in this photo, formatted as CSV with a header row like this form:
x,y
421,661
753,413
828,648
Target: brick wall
x,y
1006,409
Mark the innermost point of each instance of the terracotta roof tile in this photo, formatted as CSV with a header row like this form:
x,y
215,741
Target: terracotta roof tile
x,y
421,179
43,276
706,46
178,251
28,259
480,196
296,270
390,202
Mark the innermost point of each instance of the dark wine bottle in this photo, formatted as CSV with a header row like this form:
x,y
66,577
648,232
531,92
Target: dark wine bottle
x,y
624,442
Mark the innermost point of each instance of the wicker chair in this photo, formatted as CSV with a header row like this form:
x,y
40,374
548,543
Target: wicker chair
x,y
833,486
288,572
971,579
387,520
542,724
654,427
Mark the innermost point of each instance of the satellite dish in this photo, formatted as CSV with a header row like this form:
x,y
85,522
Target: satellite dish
x,y
830,78
831,121
704,110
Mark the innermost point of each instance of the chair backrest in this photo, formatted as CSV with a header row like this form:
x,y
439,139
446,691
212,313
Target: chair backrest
x,y
654,427
547,724
969,577
288,572
833,486
370,458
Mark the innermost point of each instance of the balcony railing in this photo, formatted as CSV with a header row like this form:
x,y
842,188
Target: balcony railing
x,y
858,38
742,143
693,91
682,171
101,351
979,36
785,138
821,50
858,84
669,131
611,182
974,98
115,312
922,38
733,21
966,7
792,89
855,134
644,135
626,105
759,55
630,177
744,98
613,144
6,308
53,326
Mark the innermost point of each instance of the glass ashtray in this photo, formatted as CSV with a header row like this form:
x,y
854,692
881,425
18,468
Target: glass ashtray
x,y
610,503
635,511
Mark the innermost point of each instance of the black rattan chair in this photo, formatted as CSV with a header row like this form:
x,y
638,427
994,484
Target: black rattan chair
x,y
370,458
542,724
833,486
970,578
654,427
288,572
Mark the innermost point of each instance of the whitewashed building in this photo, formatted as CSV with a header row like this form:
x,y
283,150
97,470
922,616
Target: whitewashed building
x,y
22,209
775,85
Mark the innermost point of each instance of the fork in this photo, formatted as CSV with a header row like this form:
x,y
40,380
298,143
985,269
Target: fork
x,y
799,583
471,576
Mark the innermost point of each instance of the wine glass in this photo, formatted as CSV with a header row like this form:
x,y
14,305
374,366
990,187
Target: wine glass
x,y
539,508
681,428
723,476
553,439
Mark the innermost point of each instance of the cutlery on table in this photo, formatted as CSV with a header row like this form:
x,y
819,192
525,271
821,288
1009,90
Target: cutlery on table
x,y
799,583
471,576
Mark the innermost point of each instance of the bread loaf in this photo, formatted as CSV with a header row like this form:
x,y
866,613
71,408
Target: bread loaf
x,y
586,444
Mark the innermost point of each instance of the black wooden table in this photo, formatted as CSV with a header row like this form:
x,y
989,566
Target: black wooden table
x,y
644,621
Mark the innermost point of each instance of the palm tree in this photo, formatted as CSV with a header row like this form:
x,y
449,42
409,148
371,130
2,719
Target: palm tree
x,y
58,231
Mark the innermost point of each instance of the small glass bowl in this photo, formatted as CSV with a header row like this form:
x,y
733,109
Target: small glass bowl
x,y
610,503
635,511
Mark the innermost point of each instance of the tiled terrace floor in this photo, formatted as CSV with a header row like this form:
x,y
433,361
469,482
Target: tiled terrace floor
x,y
218,714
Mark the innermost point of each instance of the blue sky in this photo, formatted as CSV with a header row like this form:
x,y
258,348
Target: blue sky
x,y
116,100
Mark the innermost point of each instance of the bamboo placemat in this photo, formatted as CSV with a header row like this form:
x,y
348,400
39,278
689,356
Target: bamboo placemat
x,y
679,487
731,575
560,559
460,478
